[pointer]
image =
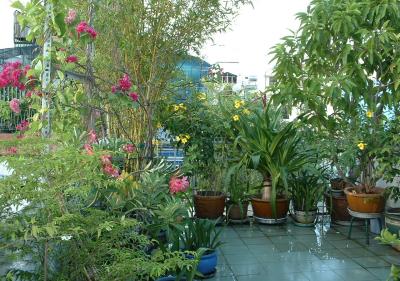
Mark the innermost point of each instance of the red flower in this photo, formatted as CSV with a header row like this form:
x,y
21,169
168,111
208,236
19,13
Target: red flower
x,y
92,33
111,171
178,185
12,150
23,126
125,83
88,148
134,96
28,94
106,159
14,105
71,59
114,89
81,27
92,137
129,148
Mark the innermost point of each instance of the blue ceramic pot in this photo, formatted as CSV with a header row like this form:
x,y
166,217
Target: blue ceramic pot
x,y
208,263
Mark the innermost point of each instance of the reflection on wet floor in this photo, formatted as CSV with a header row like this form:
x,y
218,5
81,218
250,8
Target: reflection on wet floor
x,y
288,252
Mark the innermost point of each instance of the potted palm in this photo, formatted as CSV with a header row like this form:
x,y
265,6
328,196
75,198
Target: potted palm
x,y
273,148
307,189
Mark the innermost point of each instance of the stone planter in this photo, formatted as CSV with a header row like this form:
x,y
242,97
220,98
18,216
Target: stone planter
x,y
303,217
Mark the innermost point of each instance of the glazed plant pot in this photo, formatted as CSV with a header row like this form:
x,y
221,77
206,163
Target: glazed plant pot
x,y
392,220
305,217
263,208
365,202
208,263
237,212
337,207
209,204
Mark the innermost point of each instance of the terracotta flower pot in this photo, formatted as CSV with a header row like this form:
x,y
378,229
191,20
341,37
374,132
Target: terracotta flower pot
x,y
365,202
263,208
237,212
209,204
337,207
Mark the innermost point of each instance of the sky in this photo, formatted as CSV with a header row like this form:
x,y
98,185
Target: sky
x,y
246,45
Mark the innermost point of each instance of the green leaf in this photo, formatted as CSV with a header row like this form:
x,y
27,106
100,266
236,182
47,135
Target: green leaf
x,y
17,5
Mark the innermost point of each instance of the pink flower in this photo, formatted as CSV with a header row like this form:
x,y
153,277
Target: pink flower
x,y
23,126
134,96
125,83
106,159
71,59
114,89
92,137
178,185
14,105
28,94
88,148
81,27
111,171
92,33
12,150
129,148
70,17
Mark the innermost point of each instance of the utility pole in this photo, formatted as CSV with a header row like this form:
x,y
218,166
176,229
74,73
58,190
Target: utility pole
x,y
46,76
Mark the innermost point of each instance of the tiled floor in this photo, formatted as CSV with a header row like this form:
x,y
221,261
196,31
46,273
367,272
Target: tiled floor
x,y
288,252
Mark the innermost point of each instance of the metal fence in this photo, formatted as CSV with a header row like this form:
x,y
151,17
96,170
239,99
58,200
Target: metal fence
x,y
8,122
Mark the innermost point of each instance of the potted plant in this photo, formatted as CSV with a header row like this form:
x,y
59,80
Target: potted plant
x,y
238,182
391,239
307,189
201,234
273,148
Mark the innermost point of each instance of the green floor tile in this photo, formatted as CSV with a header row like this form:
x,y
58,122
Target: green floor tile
x,y
356,252
341,264
355,275
371,261
341,244
248,269
325,275
258,241
381,273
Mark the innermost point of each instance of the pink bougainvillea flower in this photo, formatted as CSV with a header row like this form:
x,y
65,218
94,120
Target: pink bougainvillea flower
x,y
23,126
28,94
92,137
71,59
14,105
92,33
88,148
111,171
178,184
12,150
129,148
70,17
106,159
125,83
81,27
114,89
134,96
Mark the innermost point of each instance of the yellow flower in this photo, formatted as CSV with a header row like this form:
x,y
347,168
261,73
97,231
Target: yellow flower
x,y
184,140
361,145
187,136
201,96
370,114
246,111
182,106
177,138
238,103
156,142
235,117
176,107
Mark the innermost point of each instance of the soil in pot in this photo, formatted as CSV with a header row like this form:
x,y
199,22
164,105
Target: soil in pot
x,y
358,201
263,208
237,212
209,204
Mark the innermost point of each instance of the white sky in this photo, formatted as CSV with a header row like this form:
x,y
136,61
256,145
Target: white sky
x,y
248,42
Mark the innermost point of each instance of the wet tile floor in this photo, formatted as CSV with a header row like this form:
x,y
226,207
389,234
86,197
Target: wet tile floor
x,y
288,252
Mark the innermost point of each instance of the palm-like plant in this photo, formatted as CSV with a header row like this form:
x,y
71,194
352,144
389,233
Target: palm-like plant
x,y
271,147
